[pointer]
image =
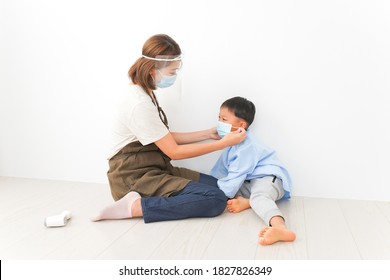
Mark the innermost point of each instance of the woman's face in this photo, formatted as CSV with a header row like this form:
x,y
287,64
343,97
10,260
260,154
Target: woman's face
x,y
169,70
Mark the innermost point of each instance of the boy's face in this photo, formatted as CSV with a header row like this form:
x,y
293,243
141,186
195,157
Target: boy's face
x,y
227,116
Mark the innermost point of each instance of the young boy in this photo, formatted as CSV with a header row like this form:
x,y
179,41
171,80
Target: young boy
x,y
250,174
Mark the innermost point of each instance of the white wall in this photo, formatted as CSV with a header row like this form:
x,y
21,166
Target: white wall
x,y
318,72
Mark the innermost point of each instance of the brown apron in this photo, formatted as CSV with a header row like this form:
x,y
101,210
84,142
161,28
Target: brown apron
x,y
146,170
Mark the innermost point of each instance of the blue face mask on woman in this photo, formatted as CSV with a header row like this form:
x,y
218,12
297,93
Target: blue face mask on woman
x,y
166,81
223,129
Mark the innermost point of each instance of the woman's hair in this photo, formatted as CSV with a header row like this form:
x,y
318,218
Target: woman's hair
x,y
156,46
242,108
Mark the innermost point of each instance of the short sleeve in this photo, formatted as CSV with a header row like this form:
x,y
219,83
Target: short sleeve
x,y
146,124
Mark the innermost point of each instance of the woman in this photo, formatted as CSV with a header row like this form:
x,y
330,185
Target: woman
x,y
142,180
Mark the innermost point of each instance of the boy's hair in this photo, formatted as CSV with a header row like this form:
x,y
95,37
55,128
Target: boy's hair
x,y
242,108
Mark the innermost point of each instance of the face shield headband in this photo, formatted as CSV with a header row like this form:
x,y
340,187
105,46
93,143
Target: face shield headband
x,y
162,58
168,77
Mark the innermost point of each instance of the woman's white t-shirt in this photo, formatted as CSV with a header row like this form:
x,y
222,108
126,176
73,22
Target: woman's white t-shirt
x,y
136,119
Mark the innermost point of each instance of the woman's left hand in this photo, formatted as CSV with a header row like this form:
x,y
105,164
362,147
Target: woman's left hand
x,y
213,134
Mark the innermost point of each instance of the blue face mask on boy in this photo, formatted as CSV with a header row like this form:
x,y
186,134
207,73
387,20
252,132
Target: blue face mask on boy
x,y
223,129
166,81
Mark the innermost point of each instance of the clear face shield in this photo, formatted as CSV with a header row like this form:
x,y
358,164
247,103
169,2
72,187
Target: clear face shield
x,y
167,68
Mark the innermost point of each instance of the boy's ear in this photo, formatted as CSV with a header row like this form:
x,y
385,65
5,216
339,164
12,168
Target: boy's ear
x,y
243,124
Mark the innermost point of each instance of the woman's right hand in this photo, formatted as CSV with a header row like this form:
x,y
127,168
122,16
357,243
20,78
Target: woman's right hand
x,y
234,137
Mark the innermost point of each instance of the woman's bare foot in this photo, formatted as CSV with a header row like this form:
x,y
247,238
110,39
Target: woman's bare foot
x,y
271,235
238,204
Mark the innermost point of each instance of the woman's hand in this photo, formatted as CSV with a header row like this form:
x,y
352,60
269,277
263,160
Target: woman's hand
x,y
175,146
235,137
213,134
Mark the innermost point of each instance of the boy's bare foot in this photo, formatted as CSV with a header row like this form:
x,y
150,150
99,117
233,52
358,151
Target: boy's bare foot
x,y
238,204
271,235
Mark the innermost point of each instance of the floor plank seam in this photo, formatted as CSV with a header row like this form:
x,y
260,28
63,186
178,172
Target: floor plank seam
x,y
115,240
349,229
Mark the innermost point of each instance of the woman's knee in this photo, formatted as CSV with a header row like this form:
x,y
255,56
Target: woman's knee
x,y
208,180
218,203
213,201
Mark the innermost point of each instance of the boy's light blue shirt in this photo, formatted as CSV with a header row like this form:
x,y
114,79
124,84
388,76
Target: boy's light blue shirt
x,y
248,160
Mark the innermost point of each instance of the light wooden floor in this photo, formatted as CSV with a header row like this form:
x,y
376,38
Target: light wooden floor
x,y
326,228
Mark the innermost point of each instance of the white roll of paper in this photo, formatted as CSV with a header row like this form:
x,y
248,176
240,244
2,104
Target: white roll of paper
x,y
58,220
